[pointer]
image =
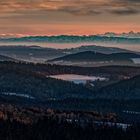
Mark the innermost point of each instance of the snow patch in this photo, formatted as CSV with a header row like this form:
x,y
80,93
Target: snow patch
x,y
19,95
136,60
131,112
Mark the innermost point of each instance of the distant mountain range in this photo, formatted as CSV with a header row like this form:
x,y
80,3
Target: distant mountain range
x,y
131,34
65,38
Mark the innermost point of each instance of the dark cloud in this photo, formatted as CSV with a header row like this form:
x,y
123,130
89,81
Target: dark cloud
x,y
80,10
124,11
75,7
138,1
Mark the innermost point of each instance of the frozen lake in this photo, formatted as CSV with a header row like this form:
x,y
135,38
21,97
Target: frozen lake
x,y
77,78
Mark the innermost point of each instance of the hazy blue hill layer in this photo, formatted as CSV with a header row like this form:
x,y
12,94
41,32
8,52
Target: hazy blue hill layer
x,y
99,49
30,53
40,54
64,38
95,56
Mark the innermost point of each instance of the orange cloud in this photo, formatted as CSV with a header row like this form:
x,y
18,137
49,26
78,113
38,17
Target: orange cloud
x,y
68,16
78,7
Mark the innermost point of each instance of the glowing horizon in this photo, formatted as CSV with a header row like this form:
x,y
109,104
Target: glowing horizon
x,y
10,35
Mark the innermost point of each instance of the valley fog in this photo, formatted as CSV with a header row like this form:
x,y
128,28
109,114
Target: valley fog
x,y
133,47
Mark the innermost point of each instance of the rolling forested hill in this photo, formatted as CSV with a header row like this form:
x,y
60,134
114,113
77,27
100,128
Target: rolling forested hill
x,y
30,86
95,56
123,90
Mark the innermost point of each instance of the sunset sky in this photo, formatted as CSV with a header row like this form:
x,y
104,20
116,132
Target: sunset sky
x,y
55,17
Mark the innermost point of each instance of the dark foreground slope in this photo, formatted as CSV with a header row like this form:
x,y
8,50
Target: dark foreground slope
x,y
20,123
